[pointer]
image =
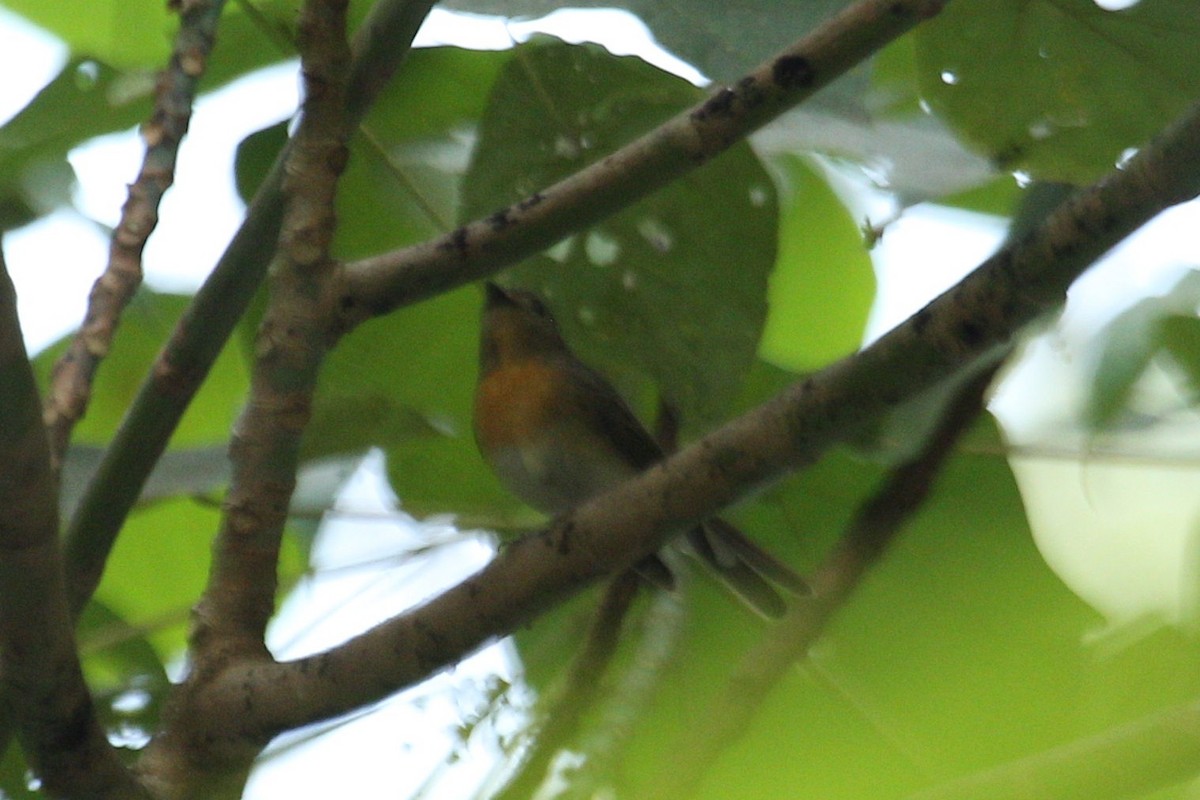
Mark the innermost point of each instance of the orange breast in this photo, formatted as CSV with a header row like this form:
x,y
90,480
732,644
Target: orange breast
x,y
515,404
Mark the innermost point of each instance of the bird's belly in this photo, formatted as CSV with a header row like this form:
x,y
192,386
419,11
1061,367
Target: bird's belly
x,y
552,476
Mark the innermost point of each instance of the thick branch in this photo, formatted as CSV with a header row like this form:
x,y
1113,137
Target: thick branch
x,y
71,385
377,285
292,341
42,680
381,45
975,319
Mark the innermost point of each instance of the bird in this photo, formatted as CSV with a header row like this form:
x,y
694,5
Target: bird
x,y
556,432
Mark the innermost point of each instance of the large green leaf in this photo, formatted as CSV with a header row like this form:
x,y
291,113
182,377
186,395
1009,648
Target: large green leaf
x,y
823,284
675,284
1059,88
129,33
722,46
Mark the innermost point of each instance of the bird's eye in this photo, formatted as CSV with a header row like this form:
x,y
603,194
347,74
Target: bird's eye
x,y
536,306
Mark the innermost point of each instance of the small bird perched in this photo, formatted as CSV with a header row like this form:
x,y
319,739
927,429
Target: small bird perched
x,y
556,433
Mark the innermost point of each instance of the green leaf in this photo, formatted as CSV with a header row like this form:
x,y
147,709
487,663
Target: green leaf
x,y
175,536
85,100
127,33
405,166
823,284
674,285
1181,335
960,649
1127,345
690,29
1059,88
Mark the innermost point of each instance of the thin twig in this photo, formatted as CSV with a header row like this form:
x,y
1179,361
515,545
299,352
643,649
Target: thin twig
x,y
42,678
379,284
381,44
71,384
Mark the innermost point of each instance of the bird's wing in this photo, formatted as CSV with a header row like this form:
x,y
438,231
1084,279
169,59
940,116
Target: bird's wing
x,y
614,417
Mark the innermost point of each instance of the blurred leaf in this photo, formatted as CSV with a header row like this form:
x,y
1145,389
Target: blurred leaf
x,y
176,537
960,649
1181,335
85,100
675,284
125,674
1126,346
824,282
914,156
145,325
127,33
1059,88
997,197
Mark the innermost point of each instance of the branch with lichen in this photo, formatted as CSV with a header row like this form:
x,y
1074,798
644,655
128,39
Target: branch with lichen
x,y
71,383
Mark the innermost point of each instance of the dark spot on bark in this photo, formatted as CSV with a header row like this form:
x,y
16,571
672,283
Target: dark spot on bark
x,y
793,72
531,201
920,321
1003,262
459,239
561,540
500,220
970,333
897,9
1006,157
716,106
751,93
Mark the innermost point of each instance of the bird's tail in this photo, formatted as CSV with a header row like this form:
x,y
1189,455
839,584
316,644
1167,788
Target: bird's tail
x,y
745,568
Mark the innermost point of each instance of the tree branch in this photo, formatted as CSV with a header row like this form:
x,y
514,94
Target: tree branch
x,y
292,341
71,383
974,320
380,284
722,722
381,44
42,680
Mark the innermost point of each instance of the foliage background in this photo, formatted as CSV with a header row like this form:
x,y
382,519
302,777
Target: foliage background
x,y
964,649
